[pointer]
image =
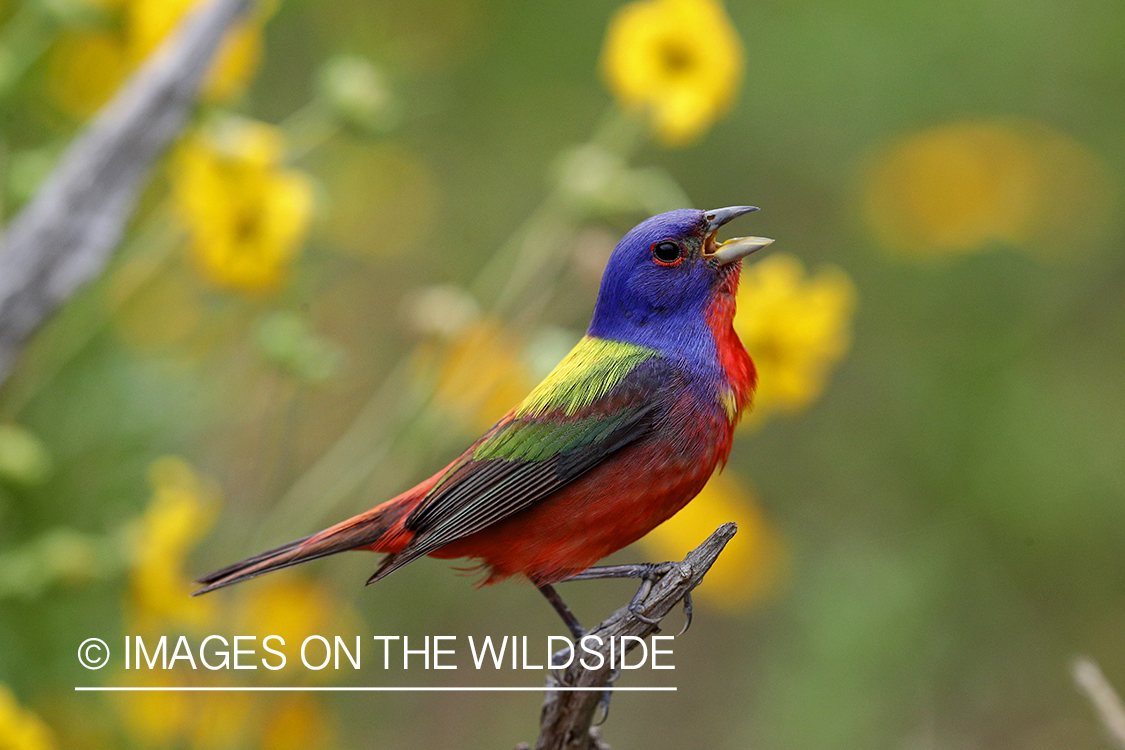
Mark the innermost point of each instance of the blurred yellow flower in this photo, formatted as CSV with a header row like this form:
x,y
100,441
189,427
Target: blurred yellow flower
x,y
154,719
181,511
294,608
20,729
955,188
795,328
297,722
84,69
680,61
480,374
172,718
247,216
86,66
753,563
148,22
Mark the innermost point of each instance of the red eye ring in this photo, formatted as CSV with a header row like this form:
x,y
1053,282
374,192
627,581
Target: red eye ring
x,y
667,253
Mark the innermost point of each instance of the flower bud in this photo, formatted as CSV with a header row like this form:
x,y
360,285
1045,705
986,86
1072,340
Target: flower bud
x,y
359,94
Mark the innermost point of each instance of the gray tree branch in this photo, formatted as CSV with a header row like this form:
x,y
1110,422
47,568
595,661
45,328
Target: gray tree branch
x,y
64,236
566,717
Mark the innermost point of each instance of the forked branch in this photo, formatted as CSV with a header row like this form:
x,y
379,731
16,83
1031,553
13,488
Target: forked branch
x,y
567,716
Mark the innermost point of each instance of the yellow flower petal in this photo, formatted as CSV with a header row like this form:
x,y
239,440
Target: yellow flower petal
x,y
795,328
148,22
84,69
154,719
20,729
181,512
481,374
296,723
680,61
956,188
753,563
247,216
294,608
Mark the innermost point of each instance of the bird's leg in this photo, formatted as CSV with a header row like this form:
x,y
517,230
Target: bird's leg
x,y
648,573
572,624
567,616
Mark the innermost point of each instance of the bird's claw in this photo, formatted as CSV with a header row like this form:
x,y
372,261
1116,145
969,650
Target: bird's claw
x,y
635,611
688,609
653,572
603,702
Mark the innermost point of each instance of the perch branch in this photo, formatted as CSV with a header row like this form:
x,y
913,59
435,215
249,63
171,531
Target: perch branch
x,y
567,716
64,236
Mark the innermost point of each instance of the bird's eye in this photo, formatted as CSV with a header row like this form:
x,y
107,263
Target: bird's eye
x,y
667,253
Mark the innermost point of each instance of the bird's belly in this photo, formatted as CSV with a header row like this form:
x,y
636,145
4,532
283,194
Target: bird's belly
x,y
608,508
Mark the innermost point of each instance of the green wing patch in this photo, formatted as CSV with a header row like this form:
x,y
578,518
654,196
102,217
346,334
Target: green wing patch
x,y
593,367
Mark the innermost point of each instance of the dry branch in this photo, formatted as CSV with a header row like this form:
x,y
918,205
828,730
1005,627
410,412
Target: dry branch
x,y
64,236
566,718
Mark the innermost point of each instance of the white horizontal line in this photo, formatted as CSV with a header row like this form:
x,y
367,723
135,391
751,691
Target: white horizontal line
x,y
402,689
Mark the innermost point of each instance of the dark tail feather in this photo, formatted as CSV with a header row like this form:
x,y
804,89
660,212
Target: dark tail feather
x,y
364,531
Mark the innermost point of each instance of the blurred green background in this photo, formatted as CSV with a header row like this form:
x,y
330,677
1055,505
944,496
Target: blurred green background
x,y
388,219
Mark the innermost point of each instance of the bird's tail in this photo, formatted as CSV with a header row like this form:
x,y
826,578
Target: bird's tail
x,y
379,530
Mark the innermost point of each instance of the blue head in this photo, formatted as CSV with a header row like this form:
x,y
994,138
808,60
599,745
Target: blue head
x,y
664,277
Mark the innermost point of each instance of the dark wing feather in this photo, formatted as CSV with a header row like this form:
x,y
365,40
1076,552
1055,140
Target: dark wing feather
x,y
527,458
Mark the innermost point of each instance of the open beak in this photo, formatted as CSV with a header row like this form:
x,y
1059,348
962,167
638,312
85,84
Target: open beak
x,y
732,250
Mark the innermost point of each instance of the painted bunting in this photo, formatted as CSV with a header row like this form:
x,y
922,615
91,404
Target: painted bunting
x,y
620,436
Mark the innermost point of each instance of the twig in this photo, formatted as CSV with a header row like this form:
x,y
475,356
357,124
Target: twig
x,y
566,718
1107,703
64,236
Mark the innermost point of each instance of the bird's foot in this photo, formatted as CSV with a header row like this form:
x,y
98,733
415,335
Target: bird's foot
x,y
648,573
603,702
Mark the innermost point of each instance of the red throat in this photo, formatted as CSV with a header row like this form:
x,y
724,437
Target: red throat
x,y
736,363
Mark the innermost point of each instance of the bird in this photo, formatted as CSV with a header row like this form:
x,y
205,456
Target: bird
x,y
620,436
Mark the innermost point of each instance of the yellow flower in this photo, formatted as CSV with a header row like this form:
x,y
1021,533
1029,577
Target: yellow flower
x,y
297,722
247,216
180,513
20,729
481,374
795,328
294,608
84,69
148,22
958,187
86,66
680,61
154,719
753,563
